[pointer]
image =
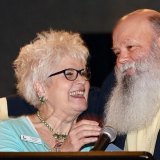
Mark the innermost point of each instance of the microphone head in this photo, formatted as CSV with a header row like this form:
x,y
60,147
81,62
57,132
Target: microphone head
x,y
111,132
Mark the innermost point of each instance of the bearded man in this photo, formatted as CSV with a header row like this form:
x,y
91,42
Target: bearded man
x,y
134,105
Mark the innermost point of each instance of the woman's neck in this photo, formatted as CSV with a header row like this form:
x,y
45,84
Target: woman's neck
x,y
59,122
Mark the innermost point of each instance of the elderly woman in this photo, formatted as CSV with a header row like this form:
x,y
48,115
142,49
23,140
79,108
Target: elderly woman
x,y
52,76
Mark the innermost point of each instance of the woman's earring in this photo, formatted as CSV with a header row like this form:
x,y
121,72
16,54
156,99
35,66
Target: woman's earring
x,y
42,99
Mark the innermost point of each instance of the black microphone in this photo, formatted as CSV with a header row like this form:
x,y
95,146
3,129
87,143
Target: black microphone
x,y
108,135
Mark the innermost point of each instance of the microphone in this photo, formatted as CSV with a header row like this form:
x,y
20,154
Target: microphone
x,y
108,135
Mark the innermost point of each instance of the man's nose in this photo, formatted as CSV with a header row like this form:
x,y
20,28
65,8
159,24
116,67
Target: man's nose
x,y
122,58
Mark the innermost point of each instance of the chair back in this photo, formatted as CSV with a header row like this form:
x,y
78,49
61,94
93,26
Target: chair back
x,y
3,108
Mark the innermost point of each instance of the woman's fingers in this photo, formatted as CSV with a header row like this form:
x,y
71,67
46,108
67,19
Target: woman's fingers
x,y
82,133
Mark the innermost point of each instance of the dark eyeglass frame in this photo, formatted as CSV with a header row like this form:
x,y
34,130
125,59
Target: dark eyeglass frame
x,y
86,74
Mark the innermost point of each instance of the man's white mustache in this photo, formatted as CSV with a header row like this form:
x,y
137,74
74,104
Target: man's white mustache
x,y
126,66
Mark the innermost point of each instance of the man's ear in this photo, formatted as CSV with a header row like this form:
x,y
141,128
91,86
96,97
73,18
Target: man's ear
x,y
39,88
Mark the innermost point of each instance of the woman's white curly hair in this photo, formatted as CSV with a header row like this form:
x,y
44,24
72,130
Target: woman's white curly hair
x,y
36,61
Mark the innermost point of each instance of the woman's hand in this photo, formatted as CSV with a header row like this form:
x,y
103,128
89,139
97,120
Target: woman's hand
x,y
81,133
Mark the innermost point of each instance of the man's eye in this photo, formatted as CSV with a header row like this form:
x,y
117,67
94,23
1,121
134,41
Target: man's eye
x,y
131,47
116,52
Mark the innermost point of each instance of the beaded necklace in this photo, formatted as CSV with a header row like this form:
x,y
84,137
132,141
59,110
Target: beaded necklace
x,y
59,138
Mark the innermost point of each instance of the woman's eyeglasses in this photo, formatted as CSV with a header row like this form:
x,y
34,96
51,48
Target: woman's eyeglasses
x,y
72,74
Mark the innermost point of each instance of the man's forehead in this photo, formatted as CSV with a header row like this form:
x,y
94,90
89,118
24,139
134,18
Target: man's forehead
x,y
137,17
143,13
132,25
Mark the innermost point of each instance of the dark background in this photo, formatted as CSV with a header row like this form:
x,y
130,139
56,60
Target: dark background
x,y
20,20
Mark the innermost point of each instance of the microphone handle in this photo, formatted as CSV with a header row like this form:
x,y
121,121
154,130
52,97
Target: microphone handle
x,y
102,143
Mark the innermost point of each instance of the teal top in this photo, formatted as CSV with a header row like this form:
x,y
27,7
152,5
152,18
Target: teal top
x,y
19,135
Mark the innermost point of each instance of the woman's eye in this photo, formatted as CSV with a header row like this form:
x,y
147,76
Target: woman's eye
x,y
69,73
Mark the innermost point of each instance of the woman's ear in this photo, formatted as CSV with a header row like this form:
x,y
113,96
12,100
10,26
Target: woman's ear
x,y
39,88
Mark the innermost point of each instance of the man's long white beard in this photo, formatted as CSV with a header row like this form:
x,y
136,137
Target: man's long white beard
x,y
135,99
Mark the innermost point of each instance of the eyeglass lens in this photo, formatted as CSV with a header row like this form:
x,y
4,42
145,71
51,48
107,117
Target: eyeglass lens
x,y
72,74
